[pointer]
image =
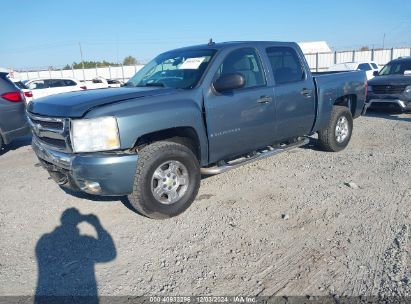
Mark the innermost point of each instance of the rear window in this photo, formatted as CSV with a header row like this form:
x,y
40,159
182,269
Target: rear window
x,y
374,66
364,67
20,85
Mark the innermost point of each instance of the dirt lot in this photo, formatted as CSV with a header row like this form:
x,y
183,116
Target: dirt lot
x,y
287,225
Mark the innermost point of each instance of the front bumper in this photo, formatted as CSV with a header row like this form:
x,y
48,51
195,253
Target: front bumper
x,y
393,102
95,173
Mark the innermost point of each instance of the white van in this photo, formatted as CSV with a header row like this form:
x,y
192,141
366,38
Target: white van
x,y
369,67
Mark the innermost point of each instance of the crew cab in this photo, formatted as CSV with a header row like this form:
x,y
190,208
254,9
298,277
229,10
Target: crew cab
x,y
196,110
391,88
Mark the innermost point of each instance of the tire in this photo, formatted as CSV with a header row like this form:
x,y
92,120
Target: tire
x,y
160,159
333,139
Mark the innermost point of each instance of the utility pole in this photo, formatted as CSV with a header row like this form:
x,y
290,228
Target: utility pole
x,y
82,62
383,41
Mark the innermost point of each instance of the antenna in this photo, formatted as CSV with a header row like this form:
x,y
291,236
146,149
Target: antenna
x,y
211,42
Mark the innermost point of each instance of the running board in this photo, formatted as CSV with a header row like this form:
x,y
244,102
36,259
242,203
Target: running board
x,y
261,154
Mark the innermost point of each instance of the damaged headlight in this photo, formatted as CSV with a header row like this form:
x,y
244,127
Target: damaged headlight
x,y
97,134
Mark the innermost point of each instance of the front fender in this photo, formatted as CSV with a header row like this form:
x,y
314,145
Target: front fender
x,y
137,117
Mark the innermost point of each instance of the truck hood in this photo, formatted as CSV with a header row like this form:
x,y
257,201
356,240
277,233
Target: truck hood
x,y
76,104
390,80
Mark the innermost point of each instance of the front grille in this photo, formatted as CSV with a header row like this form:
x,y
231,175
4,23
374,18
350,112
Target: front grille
x,y
60,143
388,89
49,124
51,131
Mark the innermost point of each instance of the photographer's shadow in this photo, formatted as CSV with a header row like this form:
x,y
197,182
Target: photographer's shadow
x,y
66,260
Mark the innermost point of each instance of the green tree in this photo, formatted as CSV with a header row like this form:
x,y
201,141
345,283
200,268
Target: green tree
x,y
130,60
364,48
89,65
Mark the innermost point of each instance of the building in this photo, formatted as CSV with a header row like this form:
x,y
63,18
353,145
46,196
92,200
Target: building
x,y
314,47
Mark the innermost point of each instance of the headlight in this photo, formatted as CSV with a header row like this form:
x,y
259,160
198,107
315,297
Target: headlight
x,y
97,134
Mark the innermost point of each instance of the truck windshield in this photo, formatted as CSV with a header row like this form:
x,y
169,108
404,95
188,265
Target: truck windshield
x,y
396,68
177,69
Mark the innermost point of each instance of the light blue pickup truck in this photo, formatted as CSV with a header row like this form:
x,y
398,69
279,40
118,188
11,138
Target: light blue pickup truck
x,y
190,112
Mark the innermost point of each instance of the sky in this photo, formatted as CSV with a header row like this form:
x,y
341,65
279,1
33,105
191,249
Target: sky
x,y
41,33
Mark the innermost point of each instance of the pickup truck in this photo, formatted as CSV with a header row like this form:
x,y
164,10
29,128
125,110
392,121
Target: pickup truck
x,y
192,112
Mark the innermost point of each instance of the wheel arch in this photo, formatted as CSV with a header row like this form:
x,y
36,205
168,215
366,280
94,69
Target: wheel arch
x,y
349,101
184,135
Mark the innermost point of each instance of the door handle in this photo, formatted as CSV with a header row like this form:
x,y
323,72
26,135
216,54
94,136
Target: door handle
x,y
264,99
306,92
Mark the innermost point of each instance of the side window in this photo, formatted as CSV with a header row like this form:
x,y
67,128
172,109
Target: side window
x,y
285,64
246,62
55,83
35,85
374,65
69,82
364,67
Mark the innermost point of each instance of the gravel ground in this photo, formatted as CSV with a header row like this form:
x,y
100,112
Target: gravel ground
x,y
304,222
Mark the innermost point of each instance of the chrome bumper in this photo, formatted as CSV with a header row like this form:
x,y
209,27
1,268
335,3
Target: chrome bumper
x,y
398,102
60,159
94,173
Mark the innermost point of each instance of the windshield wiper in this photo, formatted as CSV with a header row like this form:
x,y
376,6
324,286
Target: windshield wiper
x,y
155,84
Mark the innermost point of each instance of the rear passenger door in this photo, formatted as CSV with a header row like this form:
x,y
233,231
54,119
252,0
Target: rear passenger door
x,y
294,93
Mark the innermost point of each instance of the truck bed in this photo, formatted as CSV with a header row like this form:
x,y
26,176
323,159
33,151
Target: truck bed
x,y
329,86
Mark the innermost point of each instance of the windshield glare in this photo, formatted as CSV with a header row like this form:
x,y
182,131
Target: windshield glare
x,y
396,68
178,69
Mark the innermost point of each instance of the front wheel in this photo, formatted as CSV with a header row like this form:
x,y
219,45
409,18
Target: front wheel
x,y
338,133
166,181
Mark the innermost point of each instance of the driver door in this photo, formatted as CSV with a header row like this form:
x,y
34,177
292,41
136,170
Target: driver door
x,y
241,120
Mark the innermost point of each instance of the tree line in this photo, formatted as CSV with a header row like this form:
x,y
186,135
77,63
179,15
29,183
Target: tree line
x,y
129,60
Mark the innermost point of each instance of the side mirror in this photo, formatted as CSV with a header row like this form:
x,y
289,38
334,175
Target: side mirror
x,y
229,82
375,73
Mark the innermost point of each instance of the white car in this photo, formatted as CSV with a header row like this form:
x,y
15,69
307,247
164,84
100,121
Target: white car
x,y
27,93
41,87
368,67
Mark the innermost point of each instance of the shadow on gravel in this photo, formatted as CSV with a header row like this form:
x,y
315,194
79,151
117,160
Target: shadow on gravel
x,y
313,144
96,198
66,260
386,114
15,144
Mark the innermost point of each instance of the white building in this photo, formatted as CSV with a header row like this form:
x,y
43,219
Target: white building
x,y
314,47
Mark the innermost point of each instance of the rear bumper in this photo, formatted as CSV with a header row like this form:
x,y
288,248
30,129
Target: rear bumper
x,y
95,173
9,136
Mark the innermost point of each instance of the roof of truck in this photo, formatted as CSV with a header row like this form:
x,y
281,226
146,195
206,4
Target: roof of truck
x,y
222,45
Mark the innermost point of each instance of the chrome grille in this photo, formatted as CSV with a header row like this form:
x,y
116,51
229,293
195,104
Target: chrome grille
x,y
388,89
51,131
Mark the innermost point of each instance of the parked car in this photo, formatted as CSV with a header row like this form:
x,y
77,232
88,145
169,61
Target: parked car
x,y
391,88
42,87
114,83
369,67
97,83
191,111
13,122
27,93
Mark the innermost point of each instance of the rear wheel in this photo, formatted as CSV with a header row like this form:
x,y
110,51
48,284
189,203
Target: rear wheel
x,y
337,135
166,181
